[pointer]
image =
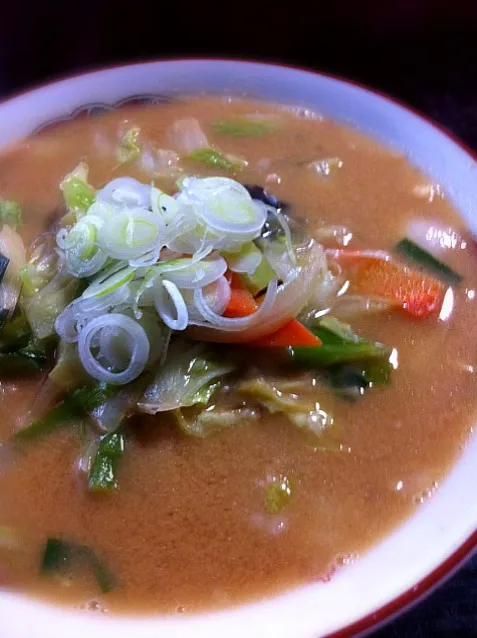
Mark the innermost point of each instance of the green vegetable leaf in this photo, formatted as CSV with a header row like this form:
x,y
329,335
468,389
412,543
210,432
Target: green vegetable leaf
x,y
214,159
78,194
47,289
189,376
89,397
11,213
128,149
65,557
42,266
203,395
102,477
62,415
339,345
348,363
279,494
42,309
246,126
75,407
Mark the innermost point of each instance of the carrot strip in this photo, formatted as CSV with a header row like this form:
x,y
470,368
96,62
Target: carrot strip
x,y
292,333
417,294
236,281
241,303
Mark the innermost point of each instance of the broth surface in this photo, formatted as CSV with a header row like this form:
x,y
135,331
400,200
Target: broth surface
x,y
187,530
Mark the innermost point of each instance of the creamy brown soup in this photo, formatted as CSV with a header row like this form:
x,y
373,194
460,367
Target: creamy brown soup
x,y
188,529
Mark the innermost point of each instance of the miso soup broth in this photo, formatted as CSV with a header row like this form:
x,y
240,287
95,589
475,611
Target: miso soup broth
x,y
162,448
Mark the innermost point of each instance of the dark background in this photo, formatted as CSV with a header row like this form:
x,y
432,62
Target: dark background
x,y
422,51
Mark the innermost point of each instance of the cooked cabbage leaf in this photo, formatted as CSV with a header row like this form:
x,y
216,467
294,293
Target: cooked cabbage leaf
x,y
78,194
43,309
40,268
186,378
68,372
202,423
293,398
128,149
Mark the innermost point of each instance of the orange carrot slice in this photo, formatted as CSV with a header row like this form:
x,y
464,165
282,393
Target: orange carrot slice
x,y
417,294
241,303
292,333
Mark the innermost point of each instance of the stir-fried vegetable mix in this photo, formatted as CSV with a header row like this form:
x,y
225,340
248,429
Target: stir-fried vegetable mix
x,y
146,301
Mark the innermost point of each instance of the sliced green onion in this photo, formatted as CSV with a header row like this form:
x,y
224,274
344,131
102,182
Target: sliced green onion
x,y
102,477
224,205
134,339
415,253
189,273
61,556
109,281
333,353
164,205
131,233
11,213
125,238
214,159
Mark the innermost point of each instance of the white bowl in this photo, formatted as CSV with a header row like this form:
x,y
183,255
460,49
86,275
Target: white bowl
x,y
430,544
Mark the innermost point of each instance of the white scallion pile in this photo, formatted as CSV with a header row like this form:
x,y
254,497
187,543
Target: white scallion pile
x,y
141,250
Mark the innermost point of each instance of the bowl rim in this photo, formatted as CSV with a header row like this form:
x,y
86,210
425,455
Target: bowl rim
x,y
448,567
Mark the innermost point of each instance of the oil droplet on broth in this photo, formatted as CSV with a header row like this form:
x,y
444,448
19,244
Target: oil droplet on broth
x,y
426,494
